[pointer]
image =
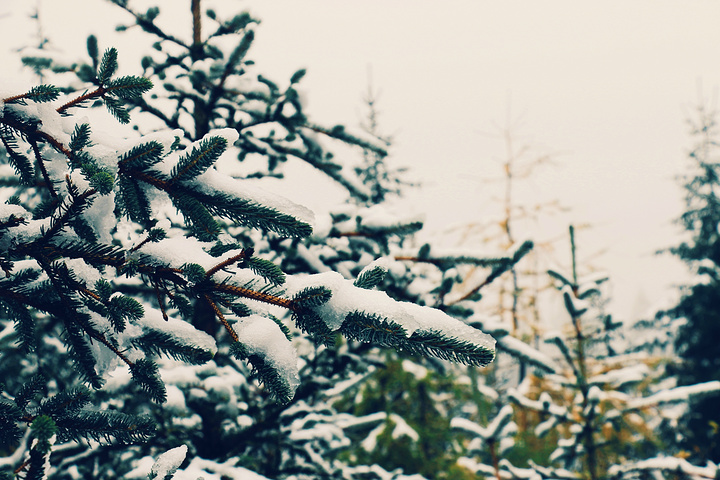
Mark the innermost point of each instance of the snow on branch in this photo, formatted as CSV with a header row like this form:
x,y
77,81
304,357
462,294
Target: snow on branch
x,y
666,465
675,395
372,316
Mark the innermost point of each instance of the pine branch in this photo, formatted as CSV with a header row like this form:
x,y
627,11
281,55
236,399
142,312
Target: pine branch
x,y
242,256
157,342
254,295
37,94
199,159
267,374
145,21
105,426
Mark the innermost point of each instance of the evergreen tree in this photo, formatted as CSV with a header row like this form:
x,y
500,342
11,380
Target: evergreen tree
x,y
599,406
138,268
698,352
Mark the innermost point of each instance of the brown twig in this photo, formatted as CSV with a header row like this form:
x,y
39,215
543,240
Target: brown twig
x,y
99,92
21,467
43,170
160,301
197,24
57,145
433,261
255,295
222,319
235,258
14,98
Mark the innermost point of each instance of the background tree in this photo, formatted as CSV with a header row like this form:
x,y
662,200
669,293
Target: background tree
x,y
601,403
698,352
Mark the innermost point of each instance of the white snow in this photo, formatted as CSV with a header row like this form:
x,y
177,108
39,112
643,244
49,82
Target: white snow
x,y
168,462
380,216
262,336
417,371
175,399
494,429
528,353
347,298
666,464
179,329
677,394
619,377
400,429
210,470
543,404
213,181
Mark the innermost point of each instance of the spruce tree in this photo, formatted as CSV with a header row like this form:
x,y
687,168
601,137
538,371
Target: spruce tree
x,y
696,345
146,292
600,404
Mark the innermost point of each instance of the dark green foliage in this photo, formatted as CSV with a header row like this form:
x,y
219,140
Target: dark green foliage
x,y
436,344
21,164
240,51
43,93
157,342
696,341
381,331
311,297
194,272
10,415
373,329
297,76
80,352
156,234
92,49
105,426
128,87
250,214
44,209
308,321
42,429
145,374
80,137
115,107
108,65
24,323
505,266
305,316
120,309
370,278
240,309
268,375
29,391
66,402
570,305
266,269
203,225
103,289
142,156
199,159
133,201
95,254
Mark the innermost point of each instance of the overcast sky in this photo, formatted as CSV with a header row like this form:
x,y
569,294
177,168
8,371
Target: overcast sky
x,y
605,87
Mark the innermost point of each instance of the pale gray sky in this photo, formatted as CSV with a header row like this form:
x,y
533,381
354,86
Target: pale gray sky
x,y
605,85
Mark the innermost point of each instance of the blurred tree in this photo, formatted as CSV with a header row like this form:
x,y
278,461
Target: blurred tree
x,y
699,308
600,405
